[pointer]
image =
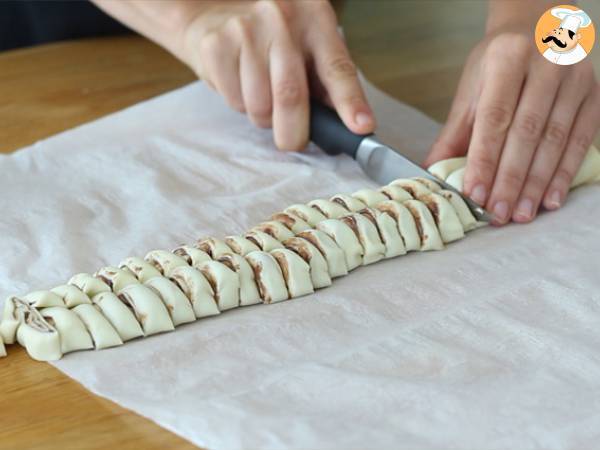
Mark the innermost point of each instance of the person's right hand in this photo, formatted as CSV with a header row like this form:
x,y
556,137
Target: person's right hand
x,y
267,57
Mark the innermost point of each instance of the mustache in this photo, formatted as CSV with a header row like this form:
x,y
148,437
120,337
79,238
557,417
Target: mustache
x,y
556,41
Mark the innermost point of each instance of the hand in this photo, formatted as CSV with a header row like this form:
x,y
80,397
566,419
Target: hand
x,y
527,124
267,57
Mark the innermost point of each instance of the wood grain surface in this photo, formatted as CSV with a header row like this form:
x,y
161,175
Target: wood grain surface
x,y
402,46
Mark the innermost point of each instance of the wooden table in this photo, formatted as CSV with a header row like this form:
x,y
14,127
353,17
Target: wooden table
x,y
401,47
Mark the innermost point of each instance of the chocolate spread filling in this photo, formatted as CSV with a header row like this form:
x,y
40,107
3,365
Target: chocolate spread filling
x,y
257,268
369,215
212,281
285,219
229,262
184,254
300,248
285,268
351,222
318,209
433,207
418,222
340,202
107,280
269,229
128,301
254,240
312,239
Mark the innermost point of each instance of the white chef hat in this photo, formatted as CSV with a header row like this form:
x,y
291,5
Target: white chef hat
x,y
572,19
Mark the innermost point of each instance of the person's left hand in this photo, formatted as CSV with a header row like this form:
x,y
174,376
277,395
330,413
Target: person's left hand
x,y
526,123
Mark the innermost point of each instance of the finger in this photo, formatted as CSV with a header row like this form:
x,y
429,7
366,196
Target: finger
x,y
289,89
585,127
255,83
493,115
338,74
550,149
220,62
522,140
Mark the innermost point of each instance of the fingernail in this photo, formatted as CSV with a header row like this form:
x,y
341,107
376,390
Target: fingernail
x,y
478,194
554,200
362,119
500,212
525,209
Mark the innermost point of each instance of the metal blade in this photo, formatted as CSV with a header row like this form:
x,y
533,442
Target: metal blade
x,y
384,164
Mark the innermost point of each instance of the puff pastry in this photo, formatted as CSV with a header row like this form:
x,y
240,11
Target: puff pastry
x,y
429,184
43,299
12,316
225,284
116,278
333,254
413,187
444,214
368,235
214,247
405,221
120,315
388,232
346,239
291,221
248,290
394,192
40,339
148,308
275,229
89,284
165,262
263,241
348,202
426,227
141,268
179,307
369,197
466,217
456,179
192,255
310,215
241,245
98,326
268,276
442,169
197,289
71,295
329,209
319,271
73,333
296,272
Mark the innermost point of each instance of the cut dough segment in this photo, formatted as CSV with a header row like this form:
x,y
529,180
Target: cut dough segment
x,y
142,269
442,169
225,284
268,276
348,202
291,221
148,308
333,254
119,315
214,247
40,339
388,232
197,289
264,241
406,223
395,193
308,214
192,255
429,184
275,229
319,271
413,187
428,232
71,295
117,279
165,262
368,236
43,299
248,291
345,238
329,209
296,272
89,284
12,316
73,333
456,178
102,332
369,197
179,307
446,219
241,245
467,219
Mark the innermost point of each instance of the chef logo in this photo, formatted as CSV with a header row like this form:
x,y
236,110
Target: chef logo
x,y
564,35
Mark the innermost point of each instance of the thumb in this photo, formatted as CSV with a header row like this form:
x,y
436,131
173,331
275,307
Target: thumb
x,y
454,137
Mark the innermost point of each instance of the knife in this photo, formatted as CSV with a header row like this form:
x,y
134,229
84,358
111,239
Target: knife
x,y
379,161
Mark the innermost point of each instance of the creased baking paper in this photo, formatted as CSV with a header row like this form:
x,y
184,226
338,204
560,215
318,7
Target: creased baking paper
x,y
491,344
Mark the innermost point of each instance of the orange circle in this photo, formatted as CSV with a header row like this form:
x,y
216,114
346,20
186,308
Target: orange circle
x,y
548,22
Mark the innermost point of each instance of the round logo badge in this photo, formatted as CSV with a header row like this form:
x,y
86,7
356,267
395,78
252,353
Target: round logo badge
x,y
565,35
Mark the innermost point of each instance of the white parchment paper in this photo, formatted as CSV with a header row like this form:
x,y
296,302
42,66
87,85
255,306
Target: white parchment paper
x,y
491,344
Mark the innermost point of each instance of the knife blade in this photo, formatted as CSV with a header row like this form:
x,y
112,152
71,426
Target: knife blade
x,y
379,161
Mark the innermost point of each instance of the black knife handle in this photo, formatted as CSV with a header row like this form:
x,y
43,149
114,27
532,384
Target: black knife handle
x,y
329,132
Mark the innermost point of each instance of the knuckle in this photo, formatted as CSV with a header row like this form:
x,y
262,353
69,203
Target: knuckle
x,y
340,67
497,117
536,182
556,134
261,114
288,93
581,144
511,178
484,166
528,126
563,176
241,27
